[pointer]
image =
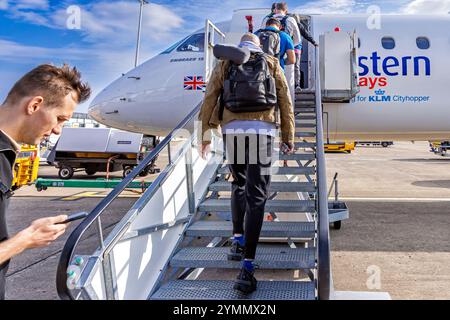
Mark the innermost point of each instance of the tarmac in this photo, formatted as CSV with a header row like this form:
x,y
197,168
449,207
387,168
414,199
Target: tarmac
x,y
397,239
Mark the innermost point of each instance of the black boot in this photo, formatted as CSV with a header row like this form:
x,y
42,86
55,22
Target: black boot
x,y
245,282
236,251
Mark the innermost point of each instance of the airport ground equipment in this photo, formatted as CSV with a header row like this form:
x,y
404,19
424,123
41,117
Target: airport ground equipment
x,y
338,210
383,144
440,147
26,166
339,147
44,184
154,252
98,150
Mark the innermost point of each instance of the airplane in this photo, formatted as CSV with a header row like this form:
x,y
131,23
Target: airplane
x,y
402,71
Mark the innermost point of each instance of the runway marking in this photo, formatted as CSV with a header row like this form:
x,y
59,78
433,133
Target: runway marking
x,y
395,199
78,196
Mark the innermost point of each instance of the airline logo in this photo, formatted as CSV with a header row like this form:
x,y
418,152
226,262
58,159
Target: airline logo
x,y
375,70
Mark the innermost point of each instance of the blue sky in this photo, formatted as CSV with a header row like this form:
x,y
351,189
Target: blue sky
x,y
35,31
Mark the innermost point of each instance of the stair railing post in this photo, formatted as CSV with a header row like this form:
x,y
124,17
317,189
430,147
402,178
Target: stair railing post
x,y
323,241
190,179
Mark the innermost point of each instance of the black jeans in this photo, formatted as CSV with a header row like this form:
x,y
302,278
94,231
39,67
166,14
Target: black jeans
x,y
250,161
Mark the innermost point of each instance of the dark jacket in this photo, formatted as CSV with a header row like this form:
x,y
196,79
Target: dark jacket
x,y
7,159
209,114
305,34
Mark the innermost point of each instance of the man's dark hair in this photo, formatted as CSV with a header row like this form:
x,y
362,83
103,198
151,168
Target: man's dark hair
x,y
52,83
282,6
274,6
273,21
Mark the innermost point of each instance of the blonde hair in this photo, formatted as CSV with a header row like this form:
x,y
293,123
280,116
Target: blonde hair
x,y
251,38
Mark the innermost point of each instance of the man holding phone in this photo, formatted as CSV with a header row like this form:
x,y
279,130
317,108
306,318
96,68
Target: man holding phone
x,y
36,107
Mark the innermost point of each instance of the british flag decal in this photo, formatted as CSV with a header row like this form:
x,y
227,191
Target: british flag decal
x,y
194,83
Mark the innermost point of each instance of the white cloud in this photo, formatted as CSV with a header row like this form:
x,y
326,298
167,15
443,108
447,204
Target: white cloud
x,y
31,17
19,53
327,6
118,21
32,4
3,4
215,10
427,6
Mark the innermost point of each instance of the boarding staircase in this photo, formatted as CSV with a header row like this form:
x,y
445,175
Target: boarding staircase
x,y
176,230
285,254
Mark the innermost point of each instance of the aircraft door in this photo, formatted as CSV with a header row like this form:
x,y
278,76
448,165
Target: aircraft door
x,y
338,66
213,36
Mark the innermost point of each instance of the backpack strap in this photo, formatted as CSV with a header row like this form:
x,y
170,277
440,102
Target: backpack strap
x,y
221,102
221,106
284,22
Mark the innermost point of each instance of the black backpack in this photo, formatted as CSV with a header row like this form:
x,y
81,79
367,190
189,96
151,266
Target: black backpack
x,y
284,26
270,42
249,87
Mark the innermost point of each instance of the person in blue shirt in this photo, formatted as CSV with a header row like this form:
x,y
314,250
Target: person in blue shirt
x,y
283,45
278,43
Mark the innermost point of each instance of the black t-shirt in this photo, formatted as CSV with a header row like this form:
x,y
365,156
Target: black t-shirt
x,y
7,159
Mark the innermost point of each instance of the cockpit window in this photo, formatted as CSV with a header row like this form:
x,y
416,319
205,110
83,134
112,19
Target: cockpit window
x,y
195,43
173,47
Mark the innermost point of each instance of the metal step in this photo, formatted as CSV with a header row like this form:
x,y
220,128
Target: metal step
x,y
305,117
223,290
215,205
305,110
304,230
275,186
302,91
298,156
305,96
302,103
302,124
305,145
280,170
266,258
300,134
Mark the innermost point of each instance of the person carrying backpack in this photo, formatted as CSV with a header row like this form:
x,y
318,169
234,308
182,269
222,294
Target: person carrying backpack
x,y
276,43
248,94
288,22
279,44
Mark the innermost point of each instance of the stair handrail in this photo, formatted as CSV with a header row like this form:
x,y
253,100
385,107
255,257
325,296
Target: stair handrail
x,y
74,238
323,241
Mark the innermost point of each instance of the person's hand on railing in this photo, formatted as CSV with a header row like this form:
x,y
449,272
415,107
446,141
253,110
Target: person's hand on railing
x,y
205,149
287,148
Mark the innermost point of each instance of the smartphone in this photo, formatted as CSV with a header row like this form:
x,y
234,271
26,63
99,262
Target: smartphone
x,y
74,217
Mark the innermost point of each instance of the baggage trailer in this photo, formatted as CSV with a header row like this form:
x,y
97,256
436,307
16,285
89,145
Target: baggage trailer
x,y
440,147
98,150
384,144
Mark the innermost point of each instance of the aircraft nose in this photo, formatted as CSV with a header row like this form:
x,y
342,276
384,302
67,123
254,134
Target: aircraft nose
x,y
103,106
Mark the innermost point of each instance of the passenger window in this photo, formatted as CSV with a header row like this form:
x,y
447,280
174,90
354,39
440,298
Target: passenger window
x,y
423,43
388,43
195,43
